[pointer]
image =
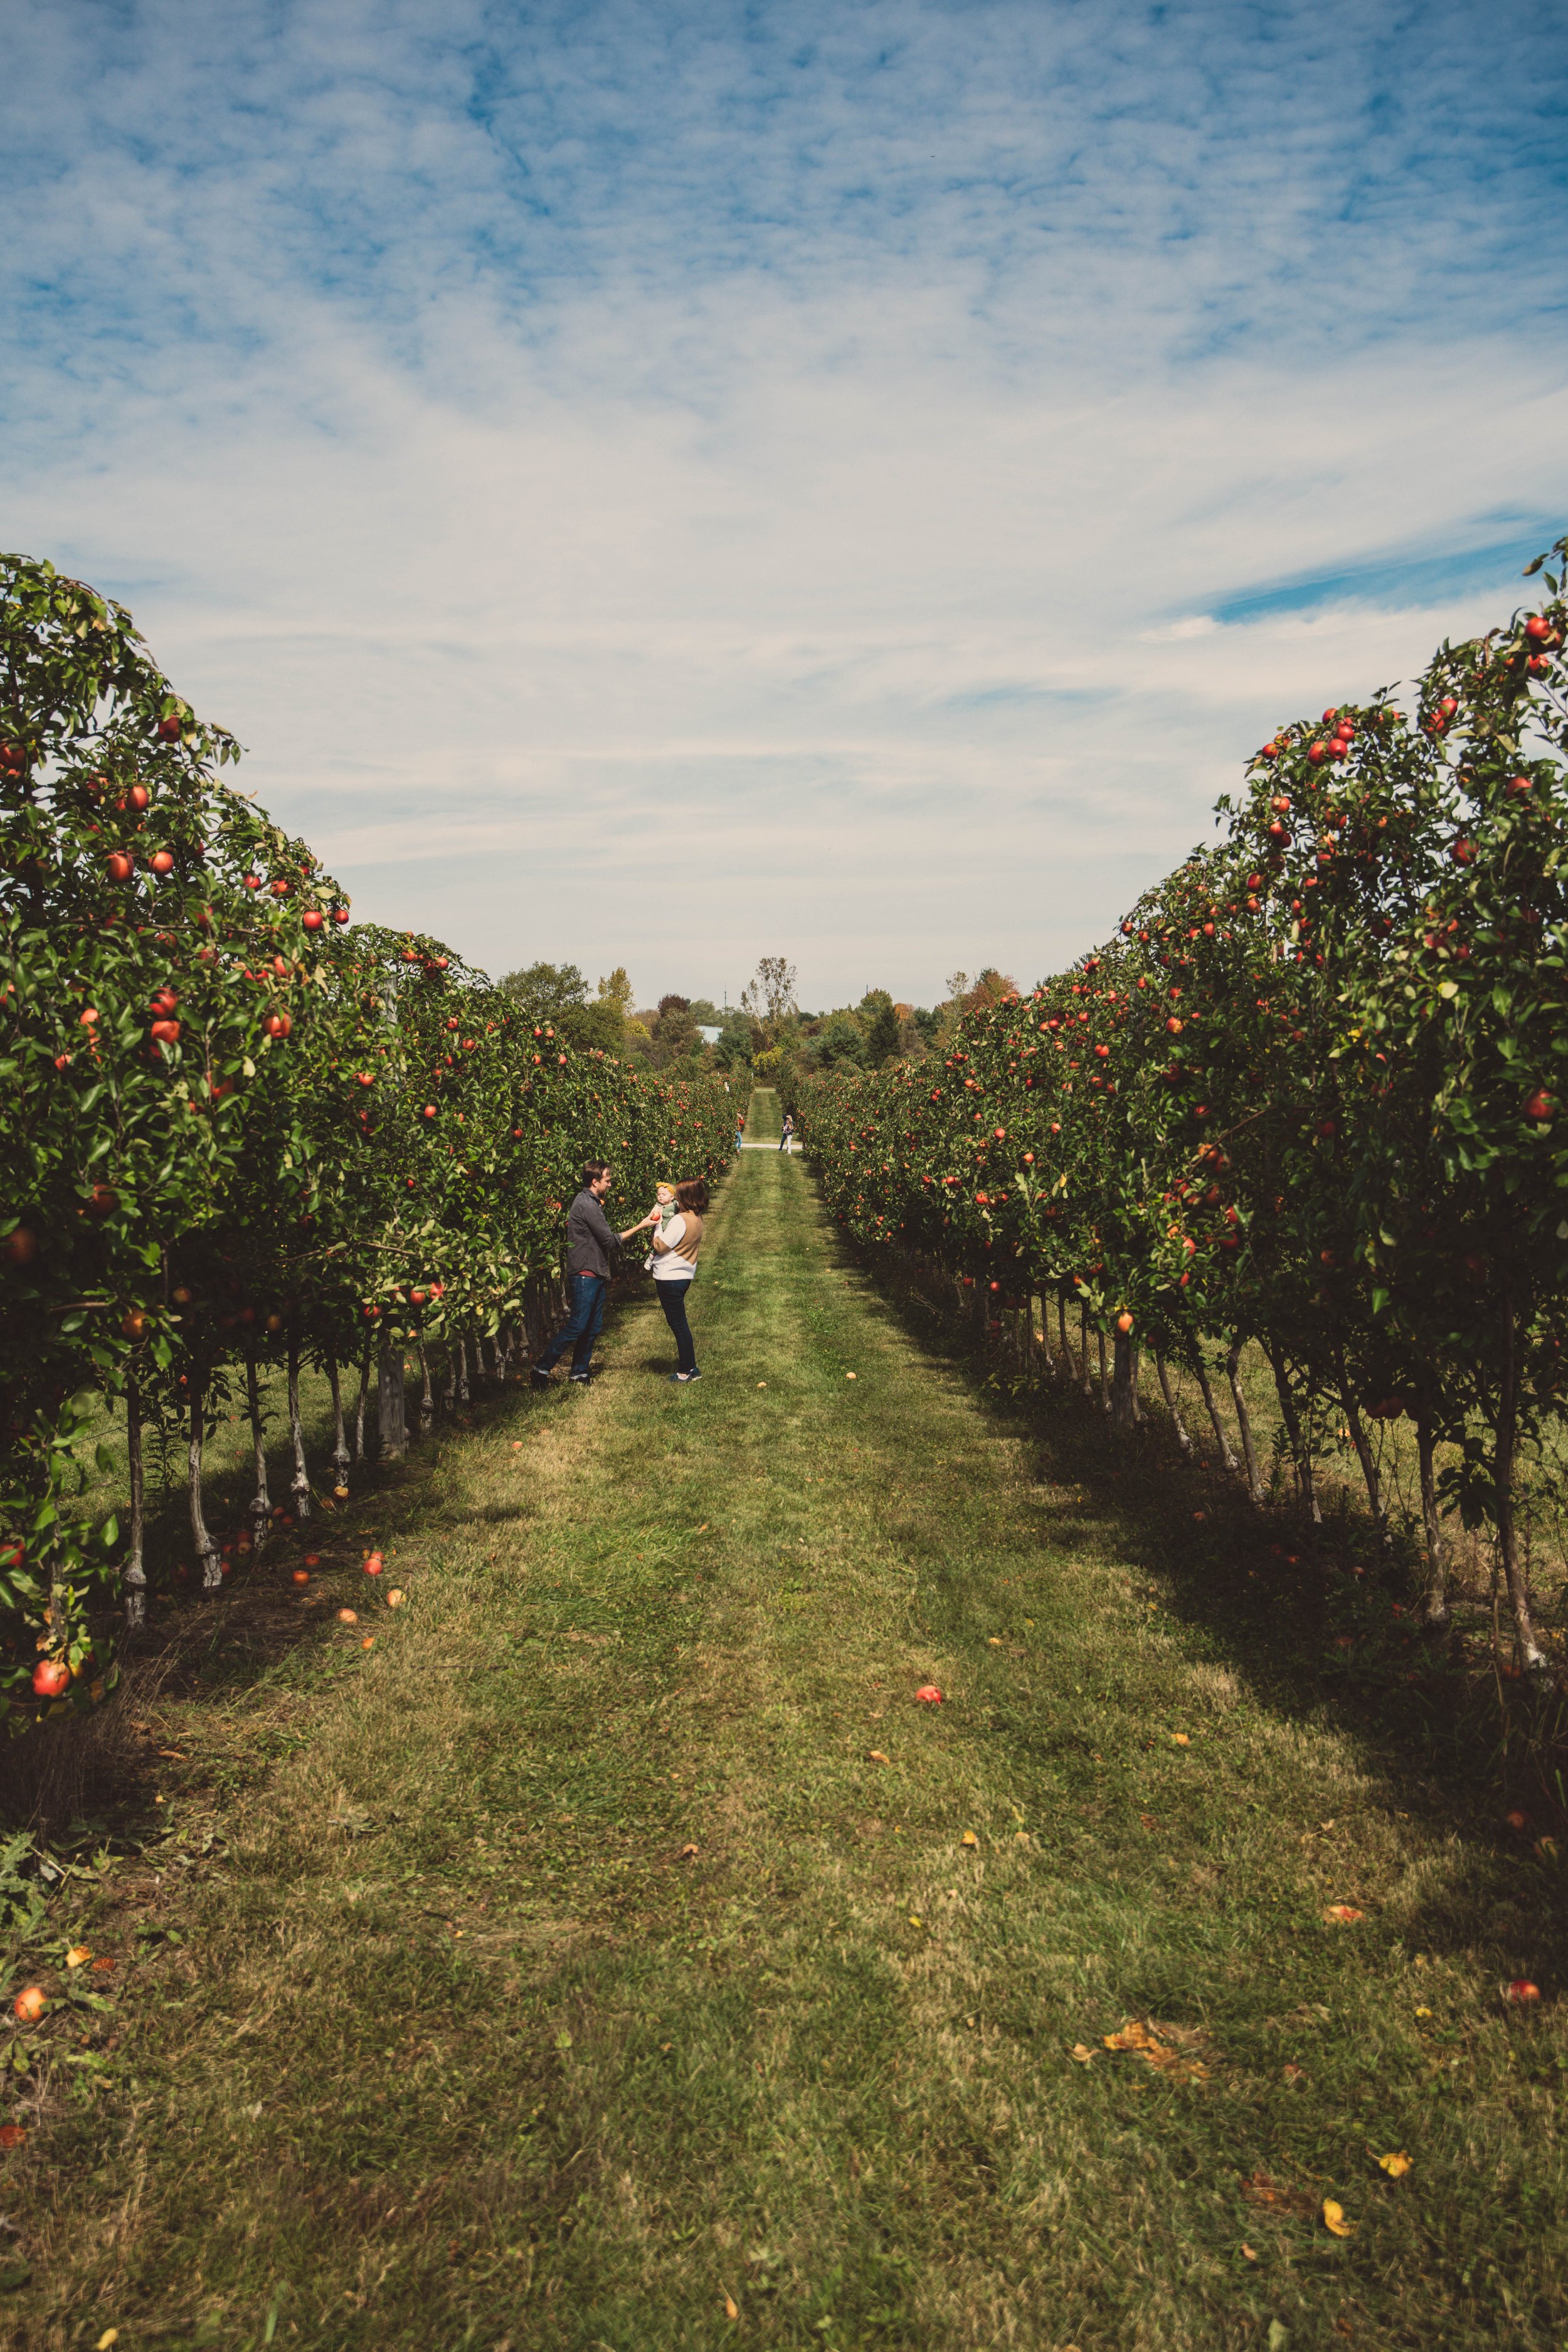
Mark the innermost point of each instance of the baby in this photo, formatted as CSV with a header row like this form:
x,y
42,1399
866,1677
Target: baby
x,y
664,1202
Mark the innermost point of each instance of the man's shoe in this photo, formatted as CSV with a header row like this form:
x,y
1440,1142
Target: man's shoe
x,y
538,1380
684,1380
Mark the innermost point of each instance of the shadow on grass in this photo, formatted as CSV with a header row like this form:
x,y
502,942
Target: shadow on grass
x,y
105,1771
1272,1597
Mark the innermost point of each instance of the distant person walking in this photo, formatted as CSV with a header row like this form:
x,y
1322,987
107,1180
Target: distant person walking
x,y
740,1130
675,1247
786,1131
592,1243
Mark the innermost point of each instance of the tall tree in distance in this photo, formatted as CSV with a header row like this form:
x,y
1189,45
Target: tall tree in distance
x,y
769,998
616,992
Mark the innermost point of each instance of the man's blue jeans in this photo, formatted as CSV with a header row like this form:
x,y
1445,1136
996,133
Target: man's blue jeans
x,y
581,1327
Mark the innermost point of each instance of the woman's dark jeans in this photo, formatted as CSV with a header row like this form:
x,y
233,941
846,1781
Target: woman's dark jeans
x,y
672,1298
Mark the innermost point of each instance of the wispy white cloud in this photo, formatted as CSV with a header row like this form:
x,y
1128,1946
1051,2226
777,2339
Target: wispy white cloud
x,y
659,484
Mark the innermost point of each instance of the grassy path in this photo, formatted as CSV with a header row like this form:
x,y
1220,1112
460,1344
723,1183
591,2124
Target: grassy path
x,y
616,1955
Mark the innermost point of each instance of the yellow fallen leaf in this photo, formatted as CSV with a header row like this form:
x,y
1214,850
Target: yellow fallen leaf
x,y
1085,2057
876,1756
1334,2219
993,1641
1180,1739
1134,2035
1344,1914
970,1838
915,1920
108,2340
1423,2013
732,2308
762,1385
1250,2252
78,1957
1397,2167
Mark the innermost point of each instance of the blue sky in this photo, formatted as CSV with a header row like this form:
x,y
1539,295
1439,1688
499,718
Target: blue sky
x,y
663,484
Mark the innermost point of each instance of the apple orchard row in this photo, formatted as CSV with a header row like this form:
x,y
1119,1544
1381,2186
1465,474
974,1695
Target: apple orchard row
x,y
239,1132
1310,1094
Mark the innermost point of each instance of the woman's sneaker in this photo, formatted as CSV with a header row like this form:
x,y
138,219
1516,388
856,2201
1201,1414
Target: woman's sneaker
x,y
684,1380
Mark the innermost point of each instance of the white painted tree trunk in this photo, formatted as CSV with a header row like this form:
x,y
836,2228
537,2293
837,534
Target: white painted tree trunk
x,y
1436,1550
133,1576
1177,1423
300,1486
260,1501
340,1439
207,1559
1206,1393
1244,1422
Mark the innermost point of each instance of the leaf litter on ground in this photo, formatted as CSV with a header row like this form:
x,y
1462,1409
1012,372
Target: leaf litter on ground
x,y
1137,2036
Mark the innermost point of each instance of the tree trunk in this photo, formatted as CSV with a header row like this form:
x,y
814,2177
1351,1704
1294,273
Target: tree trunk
x,y
208,1560
300,1486
462,1371
1221,1440
393,1428
450,1393
1183,1440
1104,1374
1437,1556
1084,1381
339,1441
359,1409
426,1397
1062,1330
1242,1423
1121,1387
133,1576
1533,1656
1363,1450
1137,1347
262,1501
1300,1453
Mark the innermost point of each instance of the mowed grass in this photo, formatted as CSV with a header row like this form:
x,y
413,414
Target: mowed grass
x,y
599,1960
